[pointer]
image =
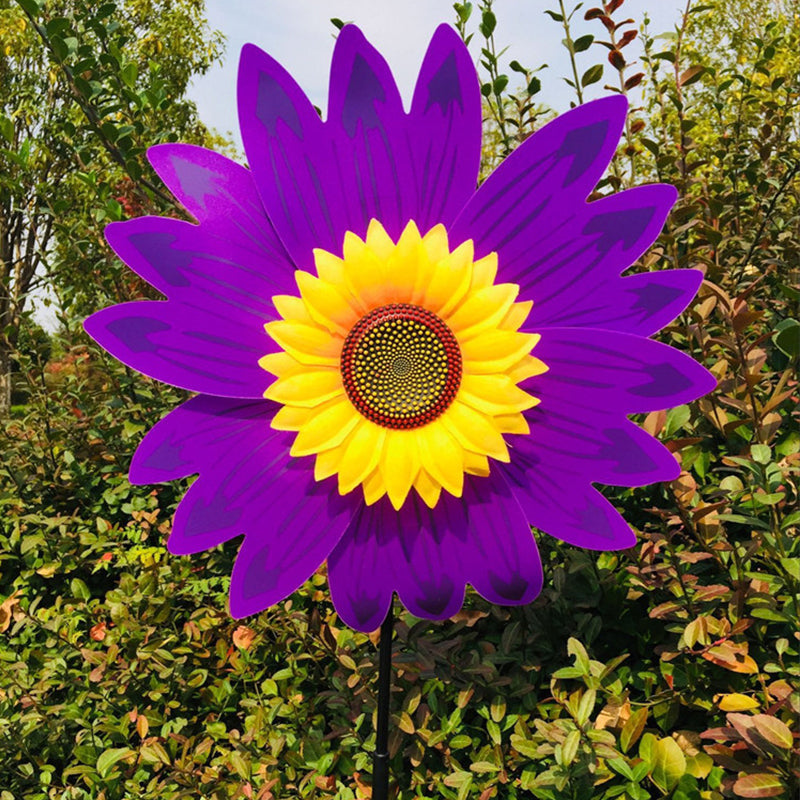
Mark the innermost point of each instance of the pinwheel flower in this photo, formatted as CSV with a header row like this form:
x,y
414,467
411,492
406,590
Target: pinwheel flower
x,y
396,371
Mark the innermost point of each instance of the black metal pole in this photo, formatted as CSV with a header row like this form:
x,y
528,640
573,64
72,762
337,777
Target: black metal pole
x,y
380,763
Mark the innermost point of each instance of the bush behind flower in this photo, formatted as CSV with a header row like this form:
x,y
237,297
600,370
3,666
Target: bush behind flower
x,y
666,670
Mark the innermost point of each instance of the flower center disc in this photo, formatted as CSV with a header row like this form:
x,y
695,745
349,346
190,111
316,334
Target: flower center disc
x,y
401,366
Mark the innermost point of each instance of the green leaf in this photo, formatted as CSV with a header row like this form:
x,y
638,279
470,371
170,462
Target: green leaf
x,y
620,765
586,706
484,766
761,453
31,7
488,23
583,43
792,566
500,83
7,128
461,741
578,652
632,729
525,747
570,747
108,758
79,589
592,75
129,73
787,337
668,764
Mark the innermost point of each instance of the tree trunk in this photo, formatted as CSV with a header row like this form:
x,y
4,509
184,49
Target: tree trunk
x,y
5,380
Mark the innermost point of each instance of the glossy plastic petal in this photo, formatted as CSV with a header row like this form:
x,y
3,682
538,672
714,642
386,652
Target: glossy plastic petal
x,y
640,304
542,183
444,130
369,159
427,556
597,445
566,507
248,484
199,349
615,372
367,123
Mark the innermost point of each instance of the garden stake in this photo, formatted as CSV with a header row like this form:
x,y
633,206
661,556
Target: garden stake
x,y
380,764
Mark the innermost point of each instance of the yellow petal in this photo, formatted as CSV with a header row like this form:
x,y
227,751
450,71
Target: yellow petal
x,y
494,394
291,308
427,488
474,431
496,351
482,310
512,423
330,268
327,305
326,429
442,456
408,266
308,343
279,364
374,487
476,464
309,388
362,455
449,281
516,315
399,464
484,271
327,463
378,240
291,418
365,275
527,367
436,244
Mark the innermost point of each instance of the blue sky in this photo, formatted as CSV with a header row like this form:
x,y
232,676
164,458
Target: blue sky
x,y
298,33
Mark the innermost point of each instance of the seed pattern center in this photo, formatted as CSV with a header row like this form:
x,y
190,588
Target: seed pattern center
x,y
401,366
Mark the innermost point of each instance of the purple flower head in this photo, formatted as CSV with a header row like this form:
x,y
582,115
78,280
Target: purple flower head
x,y
440,364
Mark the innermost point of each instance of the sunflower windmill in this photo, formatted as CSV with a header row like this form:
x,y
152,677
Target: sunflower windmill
x,y
395,371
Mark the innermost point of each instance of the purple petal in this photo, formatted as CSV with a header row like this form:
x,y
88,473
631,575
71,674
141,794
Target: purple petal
x,y
428,556
189,263
194,348
248,485
505,567
579,262
199,434
221,195
293,524
291,154
565,507
542,183
367,121
639,304
444,130
616,372
596,445
369,159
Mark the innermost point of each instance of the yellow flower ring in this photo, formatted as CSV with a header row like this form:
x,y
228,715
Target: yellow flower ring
x,y
400,364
